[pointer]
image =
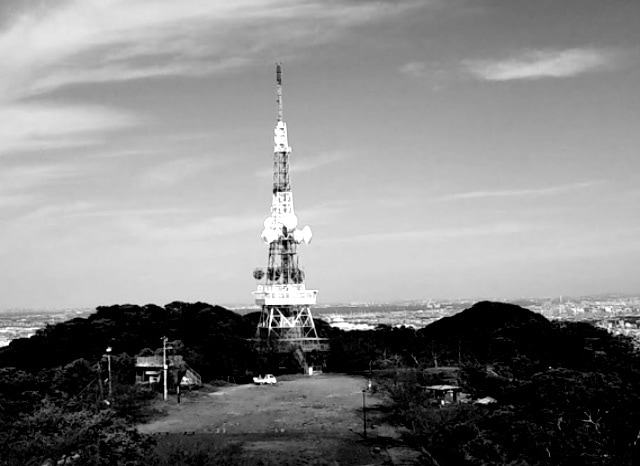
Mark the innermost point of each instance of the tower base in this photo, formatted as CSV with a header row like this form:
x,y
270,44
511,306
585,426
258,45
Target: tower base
x,y
283,357
290,327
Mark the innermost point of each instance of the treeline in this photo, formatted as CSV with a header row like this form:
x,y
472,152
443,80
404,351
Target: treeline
x,y
488,333
566,393
213,337
55,400
215,341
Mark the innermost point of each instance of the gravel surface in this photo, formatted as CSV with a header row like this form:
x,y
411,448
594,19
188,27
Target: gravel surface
x,y
307,420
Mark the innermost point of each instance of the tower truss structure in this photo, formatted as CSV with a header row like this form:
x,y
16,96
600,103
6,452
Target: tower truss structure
x,y
286,317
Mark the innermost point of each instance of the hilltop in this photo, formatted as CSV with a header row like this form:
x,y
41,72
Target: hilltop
x,y
563,391
487,316
490,331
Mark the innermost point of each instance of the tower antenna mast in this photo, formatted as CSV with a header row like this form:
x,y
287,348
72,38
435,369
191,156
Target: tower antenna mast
x,y
285,302
279,89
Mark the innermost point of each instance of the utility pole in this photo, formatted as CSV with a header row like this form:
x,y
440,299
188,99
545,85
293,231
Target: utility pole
x,y
164,366
100,382
364,413
109,371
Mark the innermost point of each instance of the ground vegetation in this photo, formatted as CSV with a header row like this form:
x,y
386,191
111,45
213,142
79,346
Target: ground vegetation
x,y
564,392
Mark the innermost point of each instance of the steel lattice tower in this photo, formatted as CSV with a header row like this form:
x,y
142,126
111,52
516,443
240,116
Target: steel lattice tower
x,y
286,315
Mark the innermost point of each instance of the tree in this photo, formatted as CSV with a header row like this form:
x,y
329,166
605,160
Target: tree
x,y
54,435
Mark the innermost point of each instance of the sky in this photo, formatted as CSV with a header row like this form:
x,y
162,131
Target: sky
x,y
440,148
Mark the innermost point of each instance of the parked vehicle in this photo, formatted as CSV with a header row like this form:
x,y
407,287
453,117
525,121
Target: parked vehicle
x,y
268,379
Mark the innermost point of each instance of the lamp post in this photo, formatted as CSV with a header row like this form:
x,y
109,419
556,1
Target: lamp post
x,y
164,366
109,370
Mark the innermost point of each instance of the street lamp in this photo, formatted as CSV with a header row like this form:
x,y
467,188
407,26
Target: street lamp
x,y
164,365
109,369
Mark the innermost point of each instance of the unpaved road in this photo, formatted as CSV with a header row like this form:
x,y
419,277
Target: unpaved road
x,y
310,420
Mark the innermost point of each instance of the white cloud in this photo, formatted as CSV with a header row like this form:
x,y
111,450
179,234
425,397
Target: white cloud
x,y
24,186
127,72
49,215
520,192
23,179
125,153
51,126
90,209
185,230
446,233
323,213
69,42
415,69
433,73
122,213
79,41
175,171
13,200
541,64
309,163
317,161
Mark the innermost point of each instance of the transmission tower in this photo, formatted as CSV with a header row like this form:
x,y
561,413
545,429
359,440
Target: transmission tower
x,y
286,314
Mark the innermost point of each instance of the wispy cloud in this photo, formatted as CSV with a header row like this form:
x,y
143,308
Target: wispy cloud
x,y
128,72
542,64
201,229
25,178
319,160
520,192
84,209
127,153
175,171
94,41
37,126
446,233
323,213
13,200
415,69
50,214
108,213
310,163
25,186
434,73
66,43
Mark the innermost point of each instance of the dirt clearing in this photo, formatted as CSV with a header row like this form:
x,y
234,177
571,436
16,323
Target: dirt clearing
x,y
307,420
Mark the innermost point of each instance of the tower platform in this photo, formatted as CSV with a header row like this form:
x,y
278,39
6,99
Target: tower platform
x,y
283,295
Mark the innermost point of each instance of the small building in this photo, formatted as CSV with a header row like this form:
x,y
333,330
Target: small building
x,y
149,370
445,394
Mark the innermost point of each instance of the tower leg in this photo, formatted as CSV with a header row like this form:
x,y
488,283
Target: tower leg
x,y
291,326
286,322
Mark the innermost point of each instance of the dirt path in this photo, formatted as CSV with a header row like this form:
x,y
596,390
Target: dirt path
x,y
310,420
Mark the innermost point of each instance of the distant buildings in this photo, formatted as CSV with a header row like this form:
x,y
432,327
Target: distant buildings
x,y
416,315
606,312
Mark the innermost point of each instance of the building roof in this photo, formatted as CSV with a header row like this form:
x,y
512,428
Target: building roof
x,y
442,387
156,361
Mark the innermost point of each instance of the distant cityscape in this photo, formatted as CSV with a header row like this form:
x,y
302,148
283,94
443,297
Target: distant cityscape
x,y
619,314
23,323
